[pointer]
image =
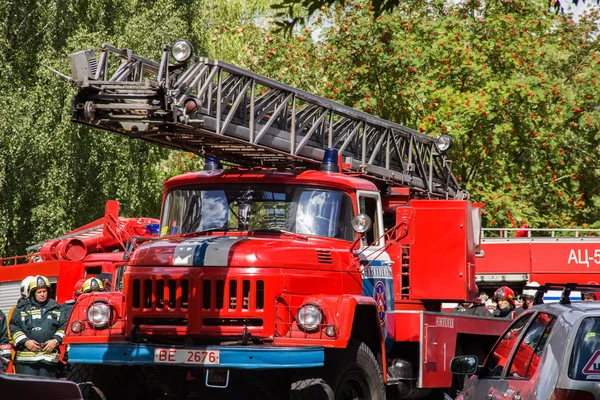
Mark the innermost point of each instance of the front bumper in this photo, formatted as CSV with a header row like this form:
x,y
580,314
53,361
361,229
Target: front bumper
x,y
242,357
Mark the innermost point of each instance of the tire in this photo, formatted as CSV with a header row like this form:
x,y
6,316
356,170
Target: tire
x,y
356,374
84,374
311,389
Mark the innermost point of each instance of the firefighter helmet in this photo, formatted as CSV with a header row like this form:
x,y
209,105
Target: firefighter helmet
x,y
77,290
92,285
589,291
531,292
25,286
505,293
38,282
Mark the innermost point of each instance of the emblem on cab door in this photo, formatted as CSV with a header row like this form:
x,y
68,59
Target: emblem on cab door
x,y
380,296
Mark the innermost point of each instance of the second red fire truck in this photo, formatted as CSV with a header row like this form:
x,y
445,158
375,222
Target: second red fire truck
x,y
515,256
93,249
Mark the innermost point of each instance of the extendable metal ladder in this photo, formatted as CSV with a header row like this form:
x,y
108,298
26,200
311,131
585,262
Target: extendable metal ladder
x,y
212,108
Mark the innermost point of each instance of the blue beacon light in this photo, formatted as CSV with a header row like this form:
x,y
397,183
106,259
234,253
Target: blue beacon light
x,y
152,229
212,163
330,161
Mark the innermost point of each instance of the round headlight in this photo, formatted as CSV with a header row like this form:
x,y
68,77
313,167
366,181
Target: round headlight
x,y
309,317
444,143
77,327
99,315
361,223
182,50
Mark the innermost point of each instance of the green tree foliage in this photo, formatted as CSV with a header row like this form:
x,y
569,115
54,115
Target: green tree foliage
x,y
292,13
54,175
514,84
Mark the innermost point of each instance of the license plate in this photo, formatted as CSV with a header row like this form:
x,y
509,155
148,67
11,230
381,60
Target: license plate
x,y
182,356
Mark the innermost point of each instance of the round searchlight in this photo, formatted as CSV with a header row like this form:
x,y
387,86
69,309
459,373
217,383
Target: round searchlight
x,y
361,223
182,50
444,143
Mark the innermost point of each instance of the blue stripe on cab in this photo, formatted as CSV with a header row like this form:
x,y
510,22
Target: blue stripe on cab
x,y
200,254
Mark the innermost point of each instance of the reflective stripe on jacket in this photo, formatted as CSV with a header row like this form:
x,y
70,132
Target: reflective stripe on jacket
x,y
36,356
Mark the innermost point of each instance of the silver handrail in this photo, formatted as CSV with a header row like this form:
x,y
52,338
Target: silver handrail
x,y
545,232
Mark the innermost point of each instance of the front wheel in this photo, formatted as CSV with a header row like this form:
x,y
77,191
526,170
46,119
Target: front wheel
x,y
311,389
356,373
84,375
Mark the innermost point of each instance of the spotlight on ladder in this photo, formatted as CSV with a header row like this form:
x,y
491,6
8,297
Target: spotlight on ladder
x,y
444,143
330,161
182,50
212,163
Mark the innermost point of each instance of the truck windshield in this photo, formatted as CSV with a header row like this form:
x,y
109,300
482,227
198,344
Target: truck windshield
x,y
296,209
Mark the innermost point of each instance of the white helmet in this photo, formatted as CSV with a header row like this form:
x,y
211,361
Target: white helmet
x,y
25,286
531,292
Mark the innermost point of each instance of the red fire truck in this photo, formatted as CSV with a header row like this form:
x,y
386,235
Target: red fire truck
x,y
317,262
514,256
87,251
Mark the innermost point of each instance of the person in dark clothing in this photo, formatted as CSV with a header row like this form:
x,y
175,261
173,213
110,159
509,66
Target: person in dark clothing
x,y
20,303
37,331
5,347
476,309
528,298
588,295
505,298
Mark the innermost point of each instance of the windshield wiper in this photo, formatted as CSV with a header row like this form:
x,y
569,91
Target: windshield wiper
x,y
214,229
277,230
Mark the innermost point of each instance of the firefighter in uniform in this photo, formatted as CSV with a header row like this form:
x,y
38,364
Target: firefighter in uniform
x,y
82,286
5,347
37,331
528,298
20,303
505,298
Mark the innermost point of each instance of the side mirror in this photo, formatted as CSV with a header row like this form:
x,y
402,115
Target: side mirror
x,y
464,365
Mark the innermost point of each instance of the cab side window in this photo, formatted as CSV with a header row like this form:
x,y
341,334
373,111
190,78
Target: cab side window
x,y
498,359
531,348
119,278
368,205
